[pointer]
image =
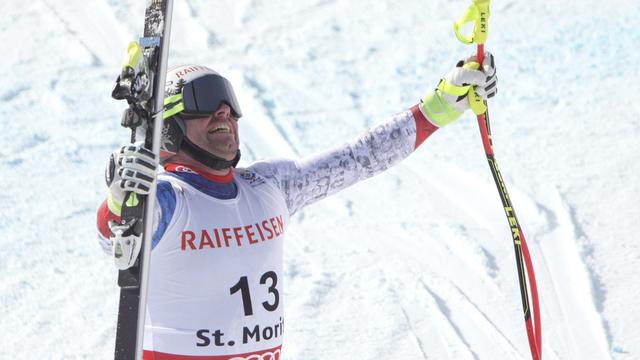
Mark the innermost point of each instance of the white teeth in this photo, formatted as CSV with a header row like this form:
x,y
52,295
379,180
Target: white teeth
x,y
221,127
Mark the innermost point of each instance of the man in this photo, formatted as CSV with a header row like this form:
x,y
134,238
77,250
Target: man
x,y
215,284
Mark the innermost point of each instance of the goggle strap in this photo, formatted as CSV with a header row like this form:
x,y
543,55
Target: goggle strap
x,y
172,105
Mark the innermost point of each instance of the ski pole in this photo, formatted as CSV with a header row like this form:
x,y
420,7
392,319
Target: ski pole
x,y
478,13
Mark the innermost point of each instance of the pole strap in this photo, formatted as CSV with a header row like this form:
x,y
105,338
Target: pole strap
x,y
477,13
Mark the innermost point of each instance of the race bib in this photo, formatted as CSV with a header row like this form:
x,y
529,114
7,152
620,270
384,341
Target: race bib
x,y
215,285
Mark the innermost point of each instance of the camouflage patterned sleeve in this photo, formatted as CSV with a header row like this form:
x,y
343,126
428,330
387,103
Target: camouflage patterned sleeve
x,y
313,178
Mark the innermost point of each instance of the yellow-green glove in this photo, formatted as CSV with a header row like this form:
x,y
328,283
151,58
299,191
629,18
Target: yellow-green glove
x,y
454,93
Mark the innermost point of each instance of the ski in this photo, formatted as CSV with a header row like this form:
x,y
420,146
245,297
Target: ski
x,y
141,84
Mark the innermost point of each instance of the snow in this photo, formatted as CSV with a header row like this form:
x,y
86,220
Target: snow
x,y
415,263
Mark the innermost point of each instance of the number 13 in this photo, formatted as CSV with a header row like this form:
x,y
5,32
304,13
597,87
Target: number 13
x,y
243,286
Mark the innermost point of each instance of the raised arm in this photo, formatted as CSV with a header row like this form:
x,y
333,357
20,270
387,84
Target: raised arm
x,y
315,177
312,178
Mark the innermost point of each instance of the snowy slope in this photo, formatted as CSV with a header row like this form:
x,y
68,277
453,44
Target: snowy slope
x,y
415,263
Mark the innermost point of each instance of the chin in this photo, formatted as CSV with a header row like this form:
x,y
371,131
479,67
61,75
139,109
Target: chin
x,y
227,153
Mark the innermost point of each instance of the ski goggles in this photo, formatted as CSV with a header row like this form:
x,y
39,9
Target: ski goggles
x,y
203,96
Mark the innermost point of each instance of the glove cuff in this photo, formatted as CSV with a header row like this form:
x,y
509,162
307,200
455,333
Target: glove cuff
x,y
114,203
437,110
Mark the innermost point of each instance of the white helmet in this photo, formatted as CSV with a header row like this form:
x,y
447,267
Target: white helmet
x,y
194,90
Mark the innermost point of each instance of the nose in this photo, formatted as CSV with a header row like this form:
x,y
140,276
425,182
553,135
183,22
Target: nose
x,y
224,111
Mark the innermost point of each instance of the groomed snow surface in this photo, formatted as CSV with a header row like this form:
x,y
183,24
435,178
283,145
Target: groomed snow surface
x,y
416,263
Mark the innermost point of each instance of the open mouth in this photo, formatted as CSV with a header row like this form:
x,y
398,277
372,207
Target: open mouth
x,y
221,128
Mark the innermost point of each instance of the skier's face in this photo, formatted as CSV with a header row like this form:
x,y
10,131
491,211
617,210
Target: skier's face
x,y
217,133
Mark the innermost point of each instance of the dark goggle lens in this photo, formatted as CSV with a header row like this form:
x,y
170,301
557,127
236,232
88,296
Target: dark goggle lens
x,y
206,94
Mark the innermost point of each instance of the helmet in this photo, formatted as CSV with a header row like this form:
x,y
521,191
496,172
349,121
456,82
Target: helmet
x,y
194,90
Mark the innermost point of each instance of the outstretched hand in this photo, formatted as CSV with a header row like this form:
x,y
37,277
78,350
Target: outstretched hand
x,y
451,98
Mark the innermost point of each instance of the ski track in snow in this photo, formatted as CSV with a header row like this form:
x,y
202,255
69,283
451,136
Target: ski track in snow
x,y
482,319
413,333
416,263
563,231
442,307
